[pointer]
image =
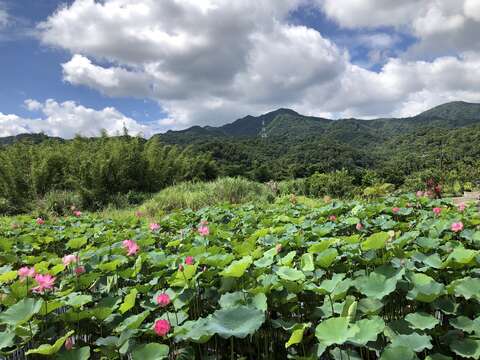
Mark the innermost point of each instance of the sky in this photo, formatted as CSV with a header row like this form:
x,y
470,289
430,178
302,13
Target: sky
x,y
80,66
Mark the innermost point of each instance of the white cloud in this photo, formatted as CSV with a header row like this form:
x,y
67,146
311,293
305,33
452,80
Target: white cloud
x,y
212,61
371,13
4,18
68,119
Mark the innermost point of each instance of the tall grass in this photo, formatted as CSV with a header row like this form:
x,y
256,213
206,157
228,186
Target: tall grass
x,y
195,195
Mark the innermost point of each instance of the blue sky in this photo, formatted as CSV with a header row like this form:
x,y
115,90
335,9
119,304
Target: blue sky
x,y
83,65
30,70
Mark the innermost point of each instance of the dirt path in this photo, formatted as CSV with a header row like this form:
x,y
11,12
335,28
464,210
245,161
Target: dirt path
x,y
468,197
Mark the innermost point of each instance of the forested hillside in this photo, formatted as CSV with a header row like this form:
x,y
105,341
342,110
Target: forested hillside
x,y
441,143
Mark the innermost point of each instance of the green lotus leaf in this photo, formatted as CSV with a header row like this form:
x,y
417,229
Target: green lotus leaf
x,y
379,283
237,268
468,287
77,300
175,318
414,341
438,357
290,274
8,276
375,241
467,348
422,321
329,286
320,246
369,330
132,322
297,335
152,351
370,306
47,349
307,262
197,331
460,256
287,259
425,289
82,353
260,302
335,331
230,300
397,353
238,321
465,324
76,243
21,312
326,257
128,301
6,339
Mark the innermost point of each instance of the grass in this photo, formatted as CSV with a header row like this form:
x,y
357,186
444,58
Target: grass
x,y
195,195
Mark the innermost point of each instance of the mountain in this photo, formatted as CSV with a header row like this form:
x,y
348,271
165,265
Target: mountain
x,y
288,123
33,138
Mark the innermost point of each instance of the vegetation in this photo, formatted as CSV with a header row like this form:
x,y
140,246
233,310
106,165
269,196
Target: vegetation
x,y
394,278
337,158
197,195
91,173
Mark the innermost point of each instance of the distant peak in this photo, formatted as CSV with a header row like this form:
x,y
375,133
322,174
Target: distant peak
x,y
283,111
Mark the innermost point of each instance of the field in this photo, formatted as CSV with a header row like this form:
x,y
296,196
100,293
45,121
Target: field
x,y
391,279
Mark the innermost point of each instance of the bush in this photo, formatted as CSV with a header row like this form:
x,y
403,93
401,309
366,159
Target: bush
x,y
195,195
59,202
378,190
296,186
338,184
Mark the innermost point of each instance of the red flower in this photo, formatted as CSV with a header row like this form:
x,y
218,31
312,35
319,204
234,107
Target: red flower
x,y
395,210
162,327
189,260
163,300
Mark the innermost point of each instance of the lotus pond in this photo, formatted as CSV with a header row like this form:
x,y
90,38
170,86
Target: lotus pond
x,y
396,278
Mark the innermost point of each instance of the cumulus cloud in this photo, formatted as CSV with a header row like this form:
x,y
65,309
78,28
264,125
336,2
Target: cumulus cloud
x,y
68,119
211,61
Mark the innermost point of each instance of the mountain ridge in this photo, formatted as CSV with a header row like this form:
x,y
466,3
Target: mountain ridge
x,y
287,122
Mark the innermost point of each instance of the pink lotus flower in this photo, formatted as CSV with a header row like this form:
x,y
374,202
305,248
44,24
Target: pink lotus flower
x,y
189,260
332,218
420,193
437,210
163,300
40,221
45,282
69,343
359,226
278,248
461,207
131,247
79,270
457,226
395,210
154,227
68,259
162,327
25,272
203,229
77,213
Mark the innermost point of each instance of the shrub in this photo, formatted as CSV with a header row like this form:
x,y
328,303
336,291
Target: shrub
x,y
338,184
59,202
